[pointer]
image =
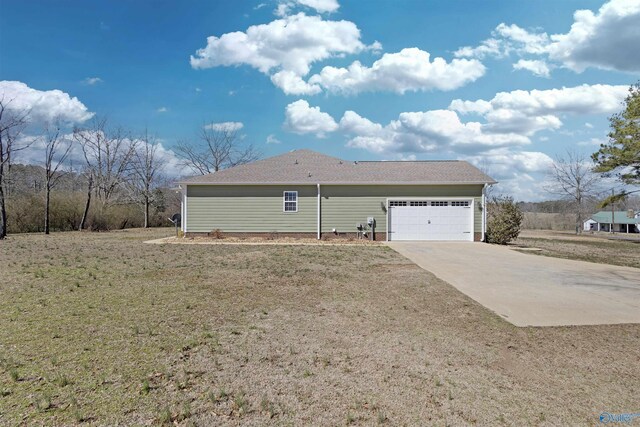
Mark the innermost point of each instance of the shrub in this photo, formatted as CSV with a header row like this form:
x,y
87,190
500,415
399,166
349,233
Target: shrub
x,y
504,219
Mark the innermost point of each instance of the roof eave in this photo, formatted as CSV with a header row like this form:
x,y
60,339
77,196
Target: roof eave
x,y
345,183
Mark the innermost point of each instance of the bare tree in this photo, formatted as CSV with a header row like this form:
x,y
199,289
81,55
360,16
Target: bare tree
x,y
108,154
146,173
485,168
57,148
12,124
571,177
220,148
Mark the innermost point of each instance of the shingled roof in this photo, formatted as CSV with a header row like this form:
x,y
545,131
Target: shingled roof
x,y
310,167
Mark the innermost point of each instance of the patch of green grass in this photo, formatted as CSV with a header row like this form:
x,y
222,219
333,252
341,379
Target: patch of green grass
x,y
146,387
240,403
267,407
43,402
14,374
222,395
351,419
165,417
61,380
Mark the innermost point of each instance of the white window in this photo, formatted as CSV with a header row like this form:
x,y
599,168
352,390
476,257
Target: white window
x,y
290,201
439,203
463,204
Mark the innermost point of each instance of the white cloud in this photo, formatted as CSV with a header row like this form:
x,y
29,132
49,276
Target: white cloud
x,y
490,47
293,84
506,39
353,123
427,131
605,39
408,70
43,106
503,162
593,142
90,81
522,40
527,112
301,118
291,43
198,89
172,165
271,139
508,120
320,6
225,126
520,173
162,110
537,67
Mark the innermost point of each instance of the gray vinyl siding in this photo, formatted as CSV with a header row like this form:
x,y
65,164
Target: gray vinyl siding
x,y
249,208
477,214
345,206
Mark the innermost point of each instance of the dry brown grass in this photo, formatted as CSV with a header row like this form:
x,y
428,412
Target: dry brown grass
x,y
103,329
617,249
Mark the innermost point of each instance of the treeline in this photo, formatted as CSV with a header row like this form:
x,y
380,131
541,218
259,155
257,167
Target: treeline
x,y
590,205
96,177
99,176
25,198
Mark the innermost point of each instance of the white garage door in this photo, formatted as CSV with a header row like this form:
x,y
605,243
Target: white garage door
x,y
431,220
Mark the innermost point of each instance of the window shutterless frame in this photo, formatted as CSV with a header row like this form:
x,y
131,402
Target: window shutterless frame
x,y
290,201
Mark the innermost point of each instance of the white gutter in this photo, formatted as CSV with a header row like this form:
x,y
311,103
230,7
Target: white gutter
x,y
319,227
484,212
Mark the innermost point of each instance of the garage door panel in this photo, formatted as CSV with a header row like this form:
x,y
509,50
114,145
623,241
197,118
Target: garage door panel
x,y
431,220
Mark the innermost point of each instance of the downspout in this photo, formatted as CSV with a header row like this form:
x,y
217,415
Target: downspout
x,y
319,227
484,212
184,218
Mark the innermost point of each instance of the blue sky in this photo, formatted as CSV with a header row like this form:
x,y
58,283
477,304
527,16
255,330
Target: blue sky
x,y
517,83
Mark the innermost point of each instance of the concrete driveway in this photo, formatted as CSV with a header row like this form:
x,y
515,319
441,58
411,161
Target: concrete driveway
x,y
532,290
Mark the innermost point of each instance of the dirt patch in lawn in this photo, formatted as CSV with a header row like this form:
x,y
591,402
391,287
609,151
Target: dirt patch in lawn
x,y
105,329
584,248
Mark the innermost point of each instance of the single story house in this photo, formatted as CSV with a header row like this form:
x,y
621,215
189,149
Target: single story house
x,y
621,222
306,193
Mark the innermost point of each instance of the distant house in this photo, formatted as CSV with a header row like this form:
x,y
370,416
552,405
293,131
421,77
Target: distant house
x,y
622,222
305,193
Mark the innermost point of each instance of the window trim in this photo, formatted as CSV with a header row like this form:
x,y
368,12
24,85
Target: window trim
x,y
285,201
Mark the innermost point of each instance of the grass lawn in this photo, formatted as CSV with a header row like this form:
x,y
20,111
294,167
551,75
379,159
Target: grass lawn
x,y
100,328
584,248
